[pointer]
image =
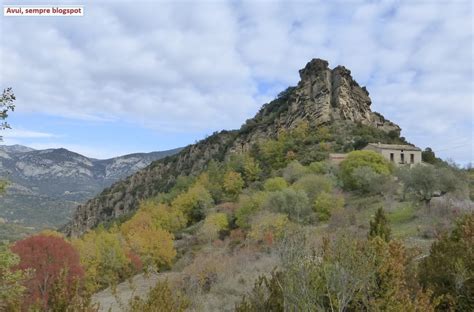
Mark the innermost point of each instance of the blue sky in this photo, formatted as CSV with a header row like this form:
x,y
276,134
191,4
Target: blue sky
x,y
137,76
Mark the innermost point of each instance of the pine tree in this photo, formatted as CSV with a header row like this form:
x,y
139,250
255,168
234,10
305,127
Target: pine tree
x,y
380,226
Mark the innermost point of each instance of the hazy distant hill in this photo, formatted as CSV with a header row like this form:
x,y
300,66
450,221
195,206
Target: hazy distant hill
x,y
46,185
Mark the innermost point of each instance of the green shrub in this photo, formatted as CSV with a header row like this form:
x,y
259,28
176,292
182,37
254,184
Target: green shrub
x,y
248,205
294,171
325,203
275,184
358,159
294,204
449,268
313,184
160,298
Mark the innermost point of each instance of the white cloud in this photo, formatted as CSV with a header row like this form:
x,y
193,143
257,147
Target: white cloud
x,y
188,66
25,134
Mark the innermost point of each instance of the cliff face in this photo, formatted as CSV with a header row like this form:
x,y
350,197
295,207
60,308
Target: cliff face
x,y
322,96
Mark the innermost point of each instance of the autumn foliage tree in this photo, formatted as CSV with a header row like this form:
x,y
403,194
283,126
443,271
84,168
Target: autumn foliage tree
x,y
49,257
105,258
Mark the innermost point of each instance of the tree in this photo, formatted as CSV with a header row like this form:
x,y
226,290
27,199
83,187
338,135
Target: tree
x,y
233,184
248,206
49,257
367,181
325,203
313,184
246,165
379,226
293,203
11,280
194,203
152,243
357,159
294,171
275,184
421,181
161,215
448,270
6,105
105,258
429,156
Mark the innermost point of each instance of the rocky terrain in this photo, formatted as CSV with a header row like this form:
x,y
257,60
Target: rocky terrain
x,y
323,96
44,186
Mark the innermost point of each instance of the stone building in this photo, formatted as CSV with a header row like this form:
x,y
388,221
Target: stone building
x,y
397,154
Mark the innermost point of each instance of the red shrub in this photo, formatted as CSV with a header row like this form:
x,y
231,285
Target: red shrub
x,y
48,256
135,261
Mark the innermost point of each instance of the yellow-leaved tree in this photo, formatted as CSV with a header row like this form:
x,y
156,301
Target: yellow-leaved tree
x,y
233,184
104,256
146,237
194,203
213,225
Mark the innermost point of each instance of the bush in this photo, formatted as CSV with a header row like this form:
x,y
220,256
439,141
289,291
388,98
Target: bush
x,y
275,184
214,224
268,226
449,268
367,181
248,206
194,203
358,159
313,184
160,298
294,171
294,204
319,167
12,280
325,203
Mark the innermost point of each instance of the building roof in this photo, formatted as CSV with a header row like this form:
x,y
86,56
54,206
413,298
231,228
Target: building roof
x,y
394,146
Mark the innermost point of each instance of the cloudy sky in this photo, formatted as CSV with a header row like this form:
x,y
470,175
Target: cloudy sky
x,y
135,76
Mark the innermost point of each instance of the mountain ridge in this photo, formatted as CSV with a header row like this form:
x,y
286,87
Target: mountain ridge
x,y
54,181
322,97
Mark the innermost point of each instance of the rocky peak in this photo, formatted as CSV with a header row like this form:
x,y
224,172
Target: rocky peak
x,y
313,68
322,96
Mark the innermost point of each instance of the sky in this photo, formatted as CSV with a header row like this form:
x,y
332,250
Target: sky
x,y
140,76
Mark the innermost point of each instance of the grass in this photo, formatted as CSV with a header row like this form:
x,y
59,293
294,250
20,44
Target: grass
x,y
405,212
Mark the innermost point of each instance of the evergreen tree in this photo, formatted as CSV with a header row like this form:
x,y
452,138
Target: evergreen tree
x,y
380,226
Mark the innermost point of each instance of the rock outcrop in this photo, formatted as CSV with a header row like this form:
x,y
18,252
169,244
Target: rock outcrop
x,y
323,96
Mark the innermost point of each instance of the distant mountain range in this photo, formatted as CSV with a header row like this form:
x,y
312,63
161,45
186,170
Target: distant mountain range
x,y
46,185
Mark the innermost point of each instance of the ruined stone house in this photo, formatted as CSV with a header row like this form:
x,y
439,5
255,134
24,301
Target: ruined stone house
x,y
396,153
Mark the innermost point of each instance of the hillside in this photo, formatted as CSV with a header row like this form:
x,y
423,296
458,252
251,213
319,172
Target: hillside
x,y
46,185
322,97
260,219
